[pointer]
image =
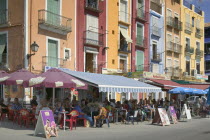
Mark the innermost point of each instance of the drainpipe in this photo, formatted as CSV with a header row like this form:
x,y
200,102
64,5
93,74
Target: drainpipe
x,y
25,33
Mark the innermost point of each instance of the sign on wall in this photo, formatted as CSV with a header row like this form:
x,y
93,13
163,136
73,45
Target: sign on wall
x,y
151,75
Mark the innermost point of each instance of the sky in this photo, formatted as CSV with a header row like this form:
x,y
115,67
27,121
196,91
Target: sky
x,y
204,6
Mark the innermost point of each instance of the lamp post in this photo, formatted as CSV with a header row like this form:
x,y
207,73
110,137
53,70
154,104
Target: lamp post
x,y
34,48
166,70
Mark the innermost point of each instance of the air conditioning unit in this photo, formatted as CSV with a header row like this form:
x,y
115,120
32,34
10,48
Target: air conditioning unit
x,y
185,73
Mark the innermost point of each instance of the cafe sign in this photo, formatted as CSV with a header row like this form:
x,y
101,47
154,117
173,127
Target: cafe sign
x,y
202,77
151,75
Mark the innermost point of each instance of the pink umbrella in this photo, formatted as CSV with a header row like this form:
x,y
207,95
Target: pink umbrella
x,y
3,76
18,77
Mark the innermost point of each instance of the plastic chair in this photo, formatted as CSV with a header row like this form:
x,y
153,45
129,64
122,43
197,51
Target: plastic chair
x,y
72,121
75,112
134,117
24,116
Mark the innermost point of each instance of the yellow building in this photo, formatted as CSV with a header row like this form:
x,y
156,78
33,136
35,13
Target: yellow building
x,y
192,41
119,36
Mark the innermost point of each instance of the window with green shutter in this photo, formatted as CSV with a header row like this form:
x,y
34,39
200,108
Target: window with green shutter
x,y
3,48
3,12
52,53
139,61
53,14
140,39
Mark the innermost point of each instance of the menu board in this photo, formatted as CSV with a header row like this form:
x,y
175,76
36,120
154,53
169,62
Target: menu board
x,y
173,114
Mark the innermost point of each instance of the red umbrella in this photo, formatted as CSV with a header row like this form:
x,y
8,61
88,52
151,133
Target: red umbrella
x,y
18,77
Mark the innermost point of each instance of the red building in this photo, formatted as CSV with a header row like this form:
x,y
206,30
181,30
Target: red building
x,y
140,34
91,35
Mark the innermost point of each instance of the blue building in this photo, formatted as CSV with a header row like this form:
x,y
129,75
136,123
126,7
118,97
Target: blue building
x,y
156,36
207,50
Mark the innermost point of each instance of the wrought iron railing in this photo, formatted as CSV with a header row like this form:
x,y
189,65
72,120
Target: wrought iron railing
x,y
156,58
124,16
4,18
93,38
170,21
177,25
156,31
53,61
92,5
199,52
188,28
141,41
157,7
189,49
55,21
177,48
198,32
169,46
124,47
141,14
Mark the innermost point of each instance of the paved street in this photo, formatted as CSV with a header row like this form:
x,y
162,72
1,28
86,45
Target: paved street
x,y
197,129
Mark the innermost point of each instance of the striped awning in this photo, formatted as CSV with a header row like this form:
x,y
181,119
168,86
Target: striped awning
x,y
113,83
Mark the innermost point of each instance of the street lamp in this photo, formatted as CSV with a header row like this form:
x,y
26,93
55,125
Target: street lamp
x,y
34,48
166,70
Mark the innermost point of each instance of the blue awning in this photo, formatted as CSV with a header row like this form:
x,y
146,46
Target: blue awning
x,y
113,83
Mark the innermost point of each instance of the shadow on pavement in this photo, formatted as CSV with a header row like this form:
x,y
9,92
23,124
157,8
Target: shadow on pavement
x,y
14,126
207,132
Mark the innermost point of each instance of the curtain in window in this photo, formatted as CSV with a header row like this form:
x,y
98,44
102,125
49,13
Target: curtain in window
x,y
3,43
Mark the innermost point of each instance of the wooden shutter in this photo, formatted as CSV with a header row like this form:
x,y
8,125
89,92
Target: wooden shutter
x,y
140,34
53,6
139,60
52,53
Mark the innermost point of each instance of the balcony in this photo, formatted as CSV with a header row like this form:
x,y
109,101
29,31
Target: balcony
x,y
93,38
54,23
141,41
198,33
156,31
53,62
92,5
199,53
123,47
187,4
189,50
177,72
177,48
188,28
177,25
140,14
124,17
169,71
169,46
156,6
4,18
170,21
142,68
156,58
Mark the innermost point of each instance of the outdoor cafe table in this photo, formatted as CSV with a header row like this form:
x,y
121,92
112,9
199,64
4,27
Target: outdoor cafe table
x,y
64,118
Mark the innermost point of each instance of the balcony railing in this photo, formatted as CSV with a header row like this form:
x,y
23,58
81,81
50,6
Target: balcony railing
x,y
177,25
170,21
142,68
141,41
54,22
198,11
120,70
92,5
198,32
93,38
189,50
198,52
157,7
156,58
177,48
188,28
141,14
124,17
53,61
4,18
156,31
187,4
169,46
124,47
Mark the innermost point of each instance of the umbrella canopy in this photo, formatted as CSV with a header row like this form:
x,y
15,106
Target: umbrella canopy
x,y
18,77
55,78
3,76
181,90
198,91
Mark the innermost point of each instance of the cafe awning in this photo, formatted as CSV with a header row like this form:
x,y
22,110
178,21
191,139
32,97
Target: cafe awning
x,y
113,83
124,32
166,84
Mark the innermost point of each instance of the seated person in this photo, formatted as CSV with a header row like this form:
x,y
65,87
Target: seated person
x,y
34,102
9,103
84,106
42,106
102,114
3,107
82,115
58,109
16,106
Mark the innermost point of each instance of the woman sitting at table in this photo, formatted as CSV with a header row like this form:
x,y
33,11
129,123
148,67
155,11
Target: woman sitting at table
x,y
58,109
102,114
16,106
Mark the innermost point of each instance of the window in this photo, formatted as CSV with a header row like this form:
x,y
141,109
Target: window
x,y
176,45
188,67
140,8
169,63
3,48
53,8
67,54
207,48
139,60
176,63
198,45
198,68
92,4
52,53
123,11
3,11
169,13
169,42
123,63
207,64
193,21
187,42
92,36
154,50
155,29
140,35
